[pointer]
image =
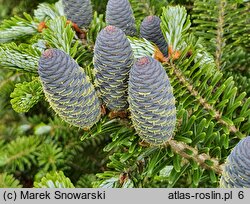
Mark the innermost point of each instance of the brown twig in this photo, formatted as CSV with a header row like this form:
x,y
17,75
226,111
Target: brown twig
x,y
219,38
182,148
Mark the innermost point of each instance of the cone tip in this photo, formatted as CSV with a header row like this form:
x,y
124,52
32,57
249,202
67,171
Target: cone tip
x,y
143,61
48,53
110,28
150,18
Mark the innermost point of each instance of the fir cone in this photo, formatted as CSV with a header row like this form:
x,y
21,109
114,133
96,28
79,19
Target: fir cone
x,y
68,89
151,30
151,101
237,168
119,13
113,58
78,11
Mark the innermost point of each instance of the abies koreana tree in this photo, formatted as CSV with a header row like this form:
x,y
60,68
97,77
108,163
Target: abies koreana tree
x,y
126,94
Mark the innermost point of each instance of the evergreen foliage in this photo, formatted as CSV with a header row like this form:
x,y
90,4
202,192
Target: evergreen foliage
x,y
24,57
8,181
24,97
17,27
226,31
54,180
16,7
19,153
207,67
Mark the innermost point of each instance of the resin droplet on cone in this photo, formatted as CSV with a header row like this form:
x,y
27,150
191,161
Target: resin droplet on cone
x,y
78,11
68,89
119,13
236,173
113,58
151,101
150,29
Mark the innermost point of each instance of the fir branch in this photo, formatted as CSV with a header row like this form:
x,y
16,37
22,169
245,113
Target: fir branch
x,y
12,78
26,95
23,57
181,148
17,27
50,157
203,102
59,34
220,41
46,11
175,25
141,9
141,47
198,83
19,153
86,181
9,181
225,30
189,152
97,24
54,180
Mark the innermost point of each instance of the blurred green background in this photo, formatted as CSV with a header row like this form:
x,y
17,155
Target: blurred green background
x,y
9,8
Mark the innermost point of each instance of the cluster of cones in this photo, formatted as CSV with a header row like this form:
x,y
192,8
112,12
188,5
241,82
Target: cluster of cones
x,y
122,84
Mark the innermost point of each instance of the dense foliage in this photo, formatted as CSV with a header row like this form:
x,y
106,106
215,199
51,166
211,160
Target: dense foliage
x,y
208,70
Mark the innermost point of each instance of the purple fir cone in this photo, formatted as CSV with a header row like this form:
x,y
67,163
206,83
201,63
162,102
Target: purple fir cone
x,y
78,11
151,101
113,58
150,29
68,89
119,13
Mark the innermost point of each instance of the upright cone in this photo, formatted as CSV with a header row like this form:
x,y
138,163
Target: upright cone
x,y
113,58
236,173
68,89
119,13
78,11
150,29
151,101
